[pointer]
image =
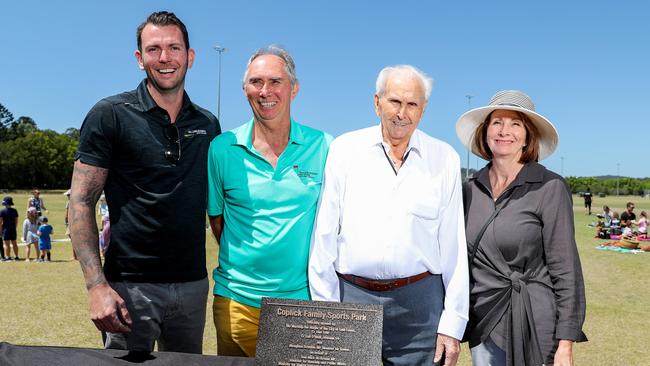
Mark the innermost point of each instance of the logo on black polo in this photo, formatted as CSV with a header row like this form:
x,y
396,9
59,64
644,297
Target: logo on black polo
x,y
191,133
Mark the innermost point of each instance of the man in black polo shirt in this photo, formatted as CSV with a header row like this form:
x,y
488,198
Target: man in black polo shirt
x,y
628,218
147,150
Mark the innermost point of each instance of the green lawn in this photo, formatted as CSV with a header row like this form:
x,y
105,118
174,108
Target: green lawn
x,y
46,304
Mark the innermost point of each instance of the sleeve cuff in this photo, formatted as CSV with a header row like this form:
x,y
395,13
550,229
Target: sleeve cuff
x,y
452,324
91,160
214,212
572,334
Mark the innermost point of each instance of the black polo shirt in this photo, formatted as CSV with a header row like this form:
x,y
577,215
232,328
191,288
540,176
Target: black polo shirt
x,y
157,207
628,216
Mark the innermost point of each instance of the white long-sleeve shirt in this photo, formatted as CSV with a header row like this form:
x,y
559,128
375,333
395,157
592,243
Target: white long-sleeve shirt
x,y
377,224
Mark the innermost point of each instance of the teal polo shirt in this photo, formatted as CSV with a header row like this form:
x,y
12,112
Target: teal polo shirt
x,y
268,213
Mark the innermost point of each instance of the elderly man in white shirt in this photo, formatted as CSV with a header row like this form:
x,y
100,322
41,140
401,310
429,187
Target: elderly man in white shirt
x,y
390,227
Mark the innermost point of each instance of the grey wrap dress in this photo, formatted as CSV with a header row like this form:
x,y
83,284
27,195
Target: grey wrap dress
x,y
526,284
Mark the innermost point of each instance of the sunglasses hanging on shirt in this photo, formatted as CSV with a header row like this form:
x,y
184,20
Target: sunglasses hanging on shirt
x,y
173,148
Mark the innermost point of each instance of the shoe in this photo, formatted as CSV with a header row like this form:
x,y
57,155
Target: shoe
x,y
39,260
3,259
16,258
27,260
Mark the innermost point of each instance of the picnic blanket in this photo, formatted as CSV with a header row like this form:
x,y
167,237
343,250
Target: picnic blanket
x,y
625,245
612,248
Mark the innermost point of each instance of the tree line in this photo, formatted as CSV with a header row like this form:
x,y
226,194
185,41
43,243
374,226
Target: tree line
x,y
608,185
604,185
30,157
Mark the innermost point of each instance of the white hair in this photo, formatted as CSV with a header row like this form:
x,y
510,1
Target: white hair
x,y
382,78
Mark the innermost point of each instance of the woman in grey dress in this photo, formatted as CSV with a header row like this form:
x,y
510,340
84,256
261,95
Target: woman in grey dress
x,y
527,298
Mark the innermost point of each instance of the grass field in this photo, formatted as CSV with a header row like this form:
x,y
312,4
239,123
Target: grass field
x,y
46,303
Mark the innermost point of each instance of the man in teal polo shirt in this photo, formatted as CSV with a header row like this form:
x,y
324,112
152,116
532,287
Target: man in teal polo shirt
x,y
264,182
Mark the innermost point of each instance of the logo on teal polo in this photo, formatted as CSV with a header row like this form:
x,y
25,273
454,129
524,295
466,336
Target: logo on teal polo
x,y
304,173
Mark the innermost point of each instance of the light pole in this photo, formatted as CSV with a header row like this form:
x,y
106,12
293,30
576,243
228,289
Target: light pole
x,y
220,50
469,148
618,175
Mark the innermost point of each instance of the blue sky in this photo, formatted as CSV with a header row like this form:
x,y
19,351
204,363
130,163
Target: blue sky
x,y
584,63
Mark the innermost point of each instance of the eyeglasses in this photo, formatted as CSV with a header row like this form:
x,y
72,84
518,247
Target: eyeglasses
x,y
173,149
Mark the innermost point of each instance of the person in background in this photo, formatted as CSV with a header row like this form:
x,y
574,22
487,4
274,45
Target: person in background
x,y
36,201
102,208
587,197
389,228
105,234
615,227
147,149
44,239
9,228
264,180
66,220
628,218
643,224
30,233
527,299
607,216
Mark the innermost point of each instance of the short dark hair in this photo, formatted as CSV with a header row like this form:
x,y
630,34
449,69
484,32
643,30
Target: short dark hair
x,y
163,18
531,150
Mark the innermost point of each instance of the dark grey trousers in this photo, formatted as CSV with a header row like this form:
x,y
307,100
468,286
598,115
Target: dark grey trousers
x,y
411,317
173,314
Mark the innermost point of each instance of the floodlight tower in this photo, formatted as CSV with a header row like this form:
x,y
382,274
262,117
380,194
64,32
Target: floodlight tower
x,y
469,148
220,50
618,175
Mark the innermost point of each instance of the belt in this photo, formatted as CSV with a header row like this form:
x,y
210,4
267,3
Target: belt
x,y
382,285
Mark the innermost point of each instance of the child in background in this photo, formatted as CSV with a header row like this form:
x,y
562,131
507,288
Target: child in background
x,y
643,224
102,208
66,220
30,230
615,228
105,234
44,240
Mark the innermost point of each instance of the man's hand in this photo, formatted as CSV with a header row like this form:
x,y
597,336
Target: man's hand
x,y
564,353
451,348
108,310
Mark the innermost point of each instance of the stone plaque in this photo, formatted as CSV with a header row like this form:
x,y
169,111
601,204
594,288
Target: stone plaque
x,y
306,333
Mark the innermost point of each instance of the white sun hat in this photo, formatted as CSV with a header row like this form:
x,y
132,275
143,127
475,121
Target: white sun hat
x,y
513,100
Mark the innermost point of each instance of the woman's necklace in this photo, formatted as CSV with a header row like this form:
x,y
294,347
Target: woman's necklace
x,y
497,187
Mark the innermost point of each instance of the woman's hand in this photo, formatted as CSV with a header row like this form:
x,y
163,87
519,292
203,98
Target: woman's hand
x,y
564,353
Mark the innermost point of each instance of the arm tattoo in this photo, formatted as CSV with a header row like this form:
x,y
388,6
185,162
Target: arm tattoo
x,y
87,185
